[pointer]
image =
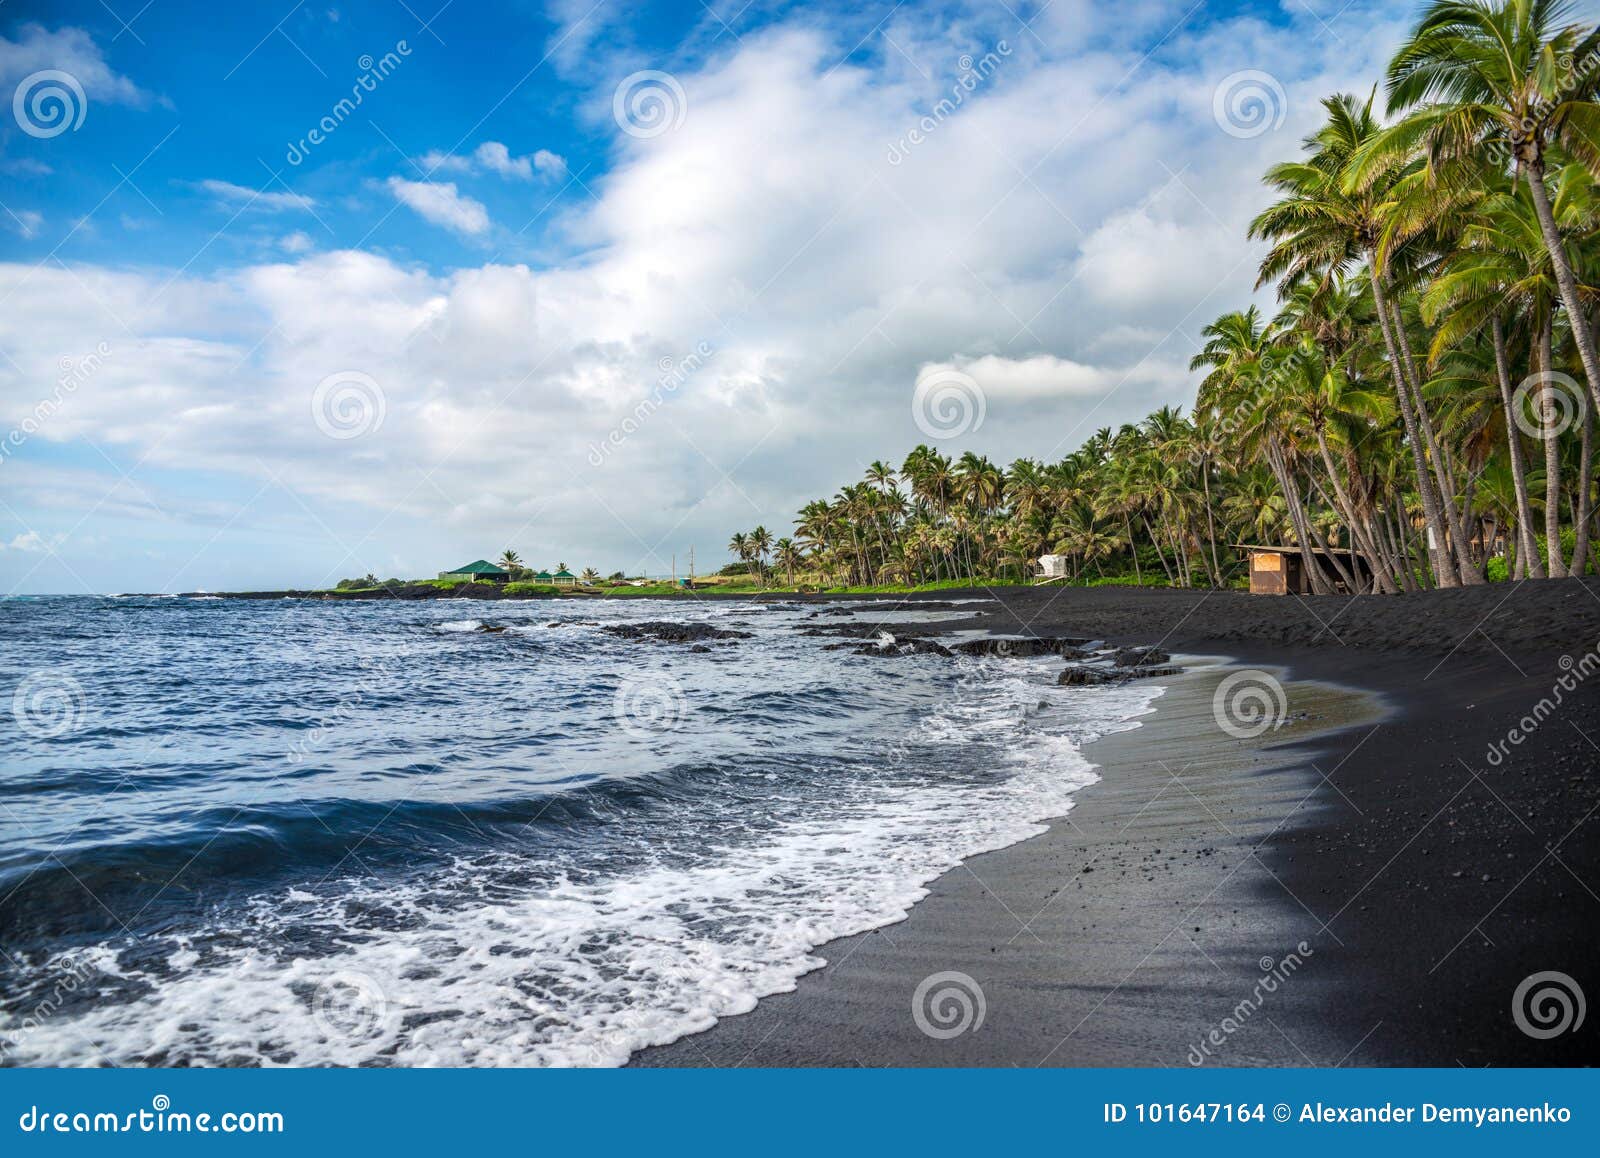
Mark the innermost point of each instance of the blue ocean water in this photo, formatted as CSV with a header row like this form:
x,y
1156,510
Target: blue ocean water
x,y
369,833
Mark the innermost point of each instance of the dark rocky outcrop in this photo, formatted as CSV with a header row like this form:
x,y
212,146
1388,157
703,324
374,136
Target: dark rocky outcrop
x,y
1139,656
1021,648
666,632
1083,675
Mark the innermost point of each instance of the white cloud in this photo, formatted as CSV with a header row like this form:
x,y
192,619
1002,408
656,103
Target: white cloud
x,y
23,221
29,541
1043,376
495,157
69,50
240,197
1061,238
443,204
297,242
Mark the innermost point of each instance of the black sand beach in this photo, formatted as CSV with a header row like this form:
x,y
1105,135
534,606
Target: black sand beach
x,y
1367,885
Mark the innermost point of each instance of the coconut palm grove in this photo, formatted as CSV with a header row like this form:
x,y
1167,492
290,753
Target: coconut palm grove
x,y
1424,394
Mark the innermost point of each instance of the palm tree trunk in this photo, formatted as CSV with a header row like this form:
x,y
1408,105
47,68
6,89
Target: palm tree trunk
x,y
1565,281
1552,452
1211,522
1358,530
1133,549
1529,549
1443,565
1581,514
1297,517
1438,454
1154,542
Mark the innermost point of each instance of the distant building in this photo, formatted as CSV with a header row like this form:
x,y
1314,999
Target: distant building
x,y
564,578
1052,567
478,571
1281,570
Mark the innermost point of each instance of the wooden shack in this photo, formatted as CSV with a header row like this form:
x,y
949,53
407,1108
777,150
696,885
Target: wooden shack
x,y
1281,570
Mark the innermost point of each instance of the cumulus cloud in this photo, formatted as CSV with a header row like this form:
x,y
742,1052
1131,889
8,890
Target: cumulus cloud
x,y
496,157
1061,238
443,204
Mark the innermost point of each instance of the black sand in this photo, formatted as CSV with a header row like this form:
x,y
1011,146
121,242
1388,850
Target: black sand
x,y
1424,880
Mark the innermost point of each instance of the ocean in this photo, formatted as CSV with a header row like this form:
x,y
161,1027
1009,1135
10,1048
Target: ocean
x,y
369,833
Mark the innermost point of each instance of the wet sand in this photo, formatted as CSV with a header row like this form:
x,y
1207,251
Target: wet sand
x,y
1366,885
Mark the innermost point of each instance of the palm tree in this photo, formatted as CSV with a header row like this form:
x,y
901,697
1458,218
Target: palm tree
x,y
1321,228
787,555
739,548
1488,74
590,576
510,560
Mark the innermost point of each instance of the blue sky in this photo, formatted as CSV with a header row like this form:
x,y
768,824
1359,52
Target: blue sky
x,y
497,304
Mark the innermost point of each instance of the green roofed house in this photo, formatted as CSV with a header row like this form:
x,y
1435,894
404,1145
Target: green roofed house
x,y
564,578
479,571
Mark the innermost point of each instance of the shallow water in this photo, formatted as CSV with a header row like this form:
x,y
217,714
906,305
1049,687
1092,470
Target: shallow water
x,y
367,833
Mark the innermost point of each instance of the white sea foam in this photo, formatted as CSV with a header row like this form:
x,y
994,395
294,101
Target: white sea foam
x,y
586,972
459,625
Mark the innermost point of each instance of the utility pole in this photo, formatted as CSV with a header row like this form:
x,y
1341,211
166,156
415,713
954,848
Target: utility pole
x,y
674,568
691,565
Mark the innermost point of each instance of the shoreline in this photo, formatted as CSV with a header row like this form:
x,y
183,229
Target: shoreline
x,y
1430,882
1052,928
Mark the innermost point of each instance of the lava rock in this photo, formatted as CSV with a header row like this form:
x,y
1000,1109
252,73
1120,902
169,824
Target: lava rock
x,y
1139,656
667,632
